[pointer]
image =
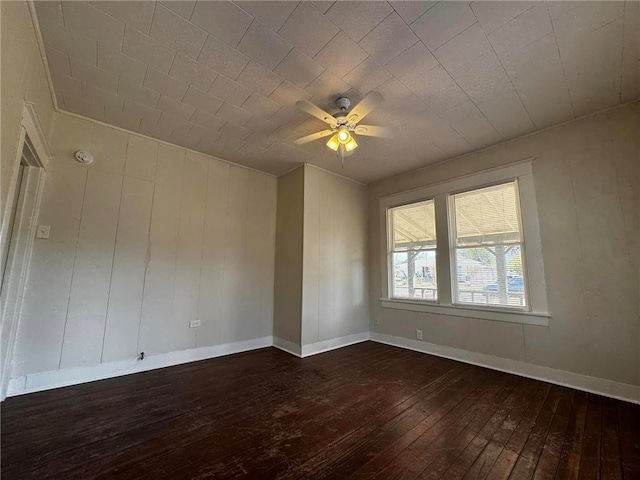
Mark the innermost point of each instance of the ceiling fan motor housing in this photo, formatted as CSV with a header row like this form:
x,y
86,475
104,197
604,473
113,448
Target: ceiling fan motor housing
x,y
343,103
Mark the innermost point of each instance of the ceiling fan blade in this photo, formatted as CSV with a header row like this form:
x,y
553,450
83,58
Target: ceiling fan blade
x,y
372,131
312,137
317,112
365,106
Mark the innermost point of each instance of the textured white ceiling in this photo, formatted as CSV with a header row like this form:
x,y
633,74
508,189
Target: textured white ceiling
x,y
223,77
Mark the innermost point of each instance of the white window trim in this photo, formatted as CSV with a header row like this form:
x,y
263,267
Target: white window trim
x,y
537,310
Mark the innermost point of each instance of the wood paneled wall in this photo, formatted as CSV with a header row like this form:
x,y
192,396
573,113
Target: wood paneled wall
x,y
144,240
288,272
335,289
321,290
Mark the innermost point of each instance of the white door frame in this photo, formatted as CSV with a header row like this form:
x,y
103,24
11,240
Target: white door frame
x,y
25,222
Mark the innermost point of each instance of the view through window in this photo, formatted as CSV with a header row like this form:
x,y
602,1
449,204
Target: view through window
x,y
413,251
487,243
485,247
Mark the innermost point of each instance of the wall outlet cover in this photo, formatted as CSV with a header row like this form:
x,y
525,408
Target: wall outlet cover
x,y
419,334
195,323
43,231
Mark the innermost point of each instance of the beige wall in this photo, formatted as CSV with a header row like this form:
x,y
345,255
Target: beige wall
x,y
144,240
22,77
335,291
321,290
288,271
586,178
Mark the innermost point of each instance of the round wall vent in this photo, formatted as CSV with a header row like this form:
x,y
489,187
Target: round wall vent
x,y
84,157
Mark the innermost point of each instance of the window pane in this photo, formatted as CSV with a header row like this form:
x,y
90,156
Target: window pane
x,y
414,226
414,275
487,216
490,276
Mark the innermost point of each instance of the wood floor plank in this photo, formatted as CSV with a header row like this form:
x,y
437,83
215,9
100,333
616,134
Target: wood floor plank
x,y
552,449
355,450
439,408
629,426
351,450
484,462
364,411
509,454
529,455
520,397
590,455
485,422
569,464
611,463
419,455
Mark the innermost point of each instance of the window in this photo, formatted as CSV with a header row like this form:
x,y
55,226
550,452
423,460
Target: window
x,y
487,247
458,248
412,257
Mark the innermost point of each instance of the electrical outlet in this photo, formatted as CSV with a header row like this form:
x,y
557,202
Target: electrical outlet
x,y
43,231
419,334
375,321
195,323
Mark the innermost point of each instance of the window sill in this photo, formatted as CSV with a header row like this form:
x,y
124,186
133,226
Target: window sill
x,y
499,315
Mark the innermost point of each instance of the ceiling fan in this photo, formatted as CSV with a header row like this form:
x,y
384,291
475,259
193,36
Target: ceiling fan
x,y
344,124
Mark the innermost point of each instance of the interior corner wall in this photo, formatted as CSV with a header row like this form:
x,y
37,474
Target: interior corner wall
x,y
335,301
586,180
321,286
144,240
23,78
287,310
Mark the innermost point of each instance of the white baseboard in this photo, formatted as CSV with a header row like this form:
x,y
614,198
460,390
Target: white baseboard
x,y
318,347
37,382
600,386
61,378
326,345
287,346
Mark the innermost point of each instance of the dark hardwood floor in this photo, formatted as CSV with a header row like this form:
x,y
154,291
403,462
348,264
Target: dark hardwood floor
x,y
365,411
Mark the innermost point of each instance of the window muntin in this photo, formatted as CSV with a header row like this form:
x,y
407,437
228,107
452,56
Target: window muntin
x,y
487,247
412,252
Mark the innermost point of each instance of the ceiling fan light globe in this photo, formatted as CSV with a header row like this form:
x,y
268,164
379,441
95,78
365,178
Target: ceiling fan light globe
x,y
343,135
351,144
333,143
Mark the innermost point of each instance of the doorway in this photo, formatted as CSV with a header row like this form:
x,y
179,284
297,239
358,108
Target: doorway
x,y
18,233
8,249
